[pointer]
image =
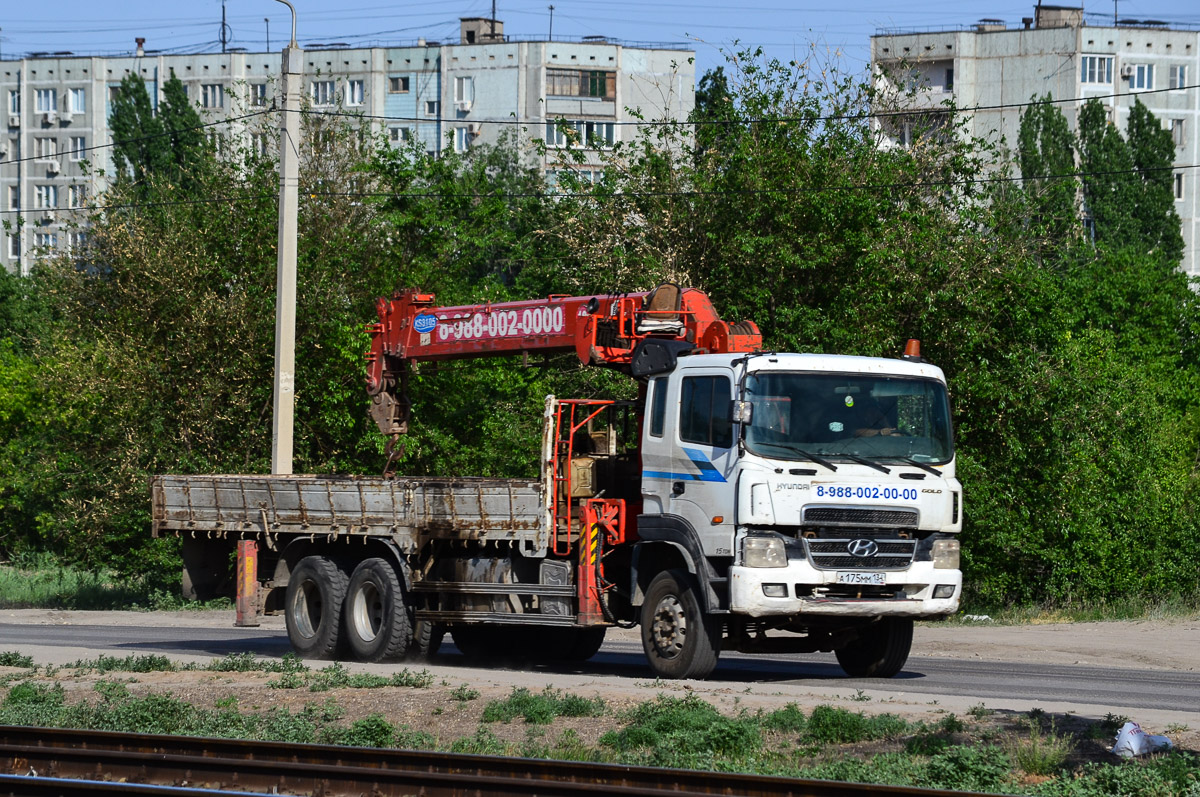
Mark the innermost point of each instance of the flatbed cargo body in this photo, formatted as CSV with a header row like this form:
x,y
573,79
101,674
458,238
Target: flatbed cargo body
x,y
410,512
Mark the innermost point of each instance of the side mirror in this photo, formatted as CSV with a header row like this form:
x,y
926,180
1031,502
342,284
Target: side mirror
x,y
741,411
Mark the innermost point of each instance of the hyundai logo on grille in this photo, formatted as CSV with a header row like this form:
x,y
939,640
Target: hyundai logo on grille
x,y
863,548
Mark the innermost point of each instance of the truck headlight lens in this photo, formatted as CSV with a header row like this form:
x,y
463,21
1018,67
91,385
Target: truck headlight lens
x,y
764,552
945,554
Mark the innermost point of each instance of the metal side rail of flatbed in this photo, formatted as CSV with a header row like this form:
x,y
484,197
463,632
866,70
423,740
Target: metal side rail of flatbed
x,y
328,506
100,758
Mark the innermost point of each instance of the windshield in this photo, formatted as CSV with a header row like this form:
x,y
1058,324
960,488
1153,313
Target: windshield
x,y
801,416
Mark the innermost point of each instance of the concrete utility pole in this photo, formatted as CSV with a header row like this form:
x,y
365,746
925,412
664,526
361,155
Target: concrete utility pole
x,y
292,73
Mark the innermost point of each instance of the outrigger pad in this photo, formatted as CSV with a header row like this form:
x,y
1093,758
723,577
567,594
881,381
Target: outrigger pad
x,y
657,356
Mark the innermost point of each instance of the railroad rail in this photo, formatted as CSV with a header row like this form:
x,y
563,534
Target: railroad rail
x,y
36,758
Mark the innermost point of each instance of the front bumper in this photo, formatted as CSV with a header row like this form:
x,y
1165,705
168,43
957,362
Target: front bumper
x,y
807,590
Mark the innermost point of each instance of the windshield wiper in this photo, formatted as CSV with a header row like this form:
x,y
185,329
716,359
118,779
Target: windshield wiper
x,y
867,462
805,454
922,466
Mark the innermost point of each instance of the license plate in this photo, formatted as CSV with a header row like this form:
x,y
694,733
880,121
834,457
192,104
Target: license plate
x,y
873,579
868,492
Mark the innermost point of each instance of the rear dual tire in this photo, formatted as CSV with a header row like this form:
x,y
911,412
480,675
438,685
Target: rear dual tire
x,y
315,593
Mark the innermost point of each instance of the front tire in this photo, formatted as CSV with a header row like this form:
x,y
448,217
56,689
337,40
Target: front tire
x,y
376,617
880,651
315,592
680,641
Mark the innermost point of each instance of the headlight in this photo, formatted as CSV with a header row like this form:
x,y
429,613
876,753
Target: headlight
x,y
764,552
945,554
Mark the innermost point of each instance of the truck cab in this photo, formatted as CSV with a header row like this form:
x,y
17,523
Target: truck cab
x,y
820,491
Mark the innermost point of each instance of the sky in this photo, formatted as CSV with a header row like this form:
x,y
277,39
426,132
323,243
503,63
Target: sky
x,y
785,30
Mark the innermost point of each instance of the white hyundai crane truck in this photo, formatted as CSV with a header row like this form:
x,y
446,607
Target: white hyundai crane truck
x,y
746,500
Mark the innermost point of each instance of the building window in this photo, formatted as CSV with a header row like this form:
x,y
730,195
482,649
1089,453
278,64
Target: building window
x,y
580,134
46,240
14,245
47,100
14,198
77,241
464,92
354,92
400,135
949,85
78,147
77,100
114,92
1177,134
258,95
14,101
1178,76
45,197
1178,186
1143,77
581,83
77,194
398,85
45,148
260,144
323,92
431,107
212,95
1096,69
216,141
462,139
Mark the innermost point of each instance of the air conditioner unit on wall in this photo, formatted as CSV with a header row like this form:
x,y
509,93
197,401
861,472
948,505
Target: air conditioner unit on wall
x,y
50,117
14,120
463,105
1126,70
53,167
48,216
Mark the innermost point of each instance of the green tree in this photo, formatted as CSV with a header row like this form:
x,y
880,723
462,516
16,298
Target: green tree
x,y
1046,150
184,133
1111,188
139,147
1153,153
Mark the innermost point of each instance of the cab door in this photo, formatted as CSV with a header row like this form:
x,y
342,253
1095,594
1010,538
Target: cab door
x,y
688,466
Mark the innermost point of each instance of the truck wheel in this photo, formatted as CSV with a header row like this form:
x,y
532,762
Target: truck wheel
x,y
376,618
315,592
427,640
880,651
679,640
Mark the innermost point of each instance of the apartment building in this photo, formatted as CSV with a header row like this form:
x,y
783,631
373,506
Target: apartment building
x,y
54,133
994,66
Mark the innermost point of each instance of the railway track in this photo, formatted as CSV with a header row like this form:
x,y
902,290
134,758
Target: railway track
x,y
35,759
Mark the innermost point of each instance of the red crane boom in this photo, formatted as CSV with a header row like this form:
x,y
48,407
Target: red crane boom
x,y
601,330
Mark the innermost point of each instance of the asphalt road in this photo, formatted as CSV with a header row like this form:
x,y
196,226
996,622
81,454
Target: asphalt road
x,y
975,680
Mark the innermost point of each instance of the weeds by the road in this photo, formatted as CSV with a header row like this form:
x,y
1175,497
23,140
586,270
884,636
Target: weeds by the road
x,y
40,582
1170,607
1034,753
541,709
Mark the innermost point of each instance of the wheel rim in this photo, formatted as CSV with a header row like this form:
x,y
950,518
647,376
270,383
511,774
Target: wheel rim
x,y
367,614
306,612
669,630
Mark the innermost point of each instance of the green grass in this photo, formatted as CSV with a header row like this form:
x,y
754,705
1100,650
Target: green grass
x,y
38,582
541,708
684,732
1170,607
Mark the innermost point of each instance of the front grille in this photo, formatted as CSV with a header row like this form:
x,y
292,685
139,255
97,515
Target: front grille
x,y
834,554
843,516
